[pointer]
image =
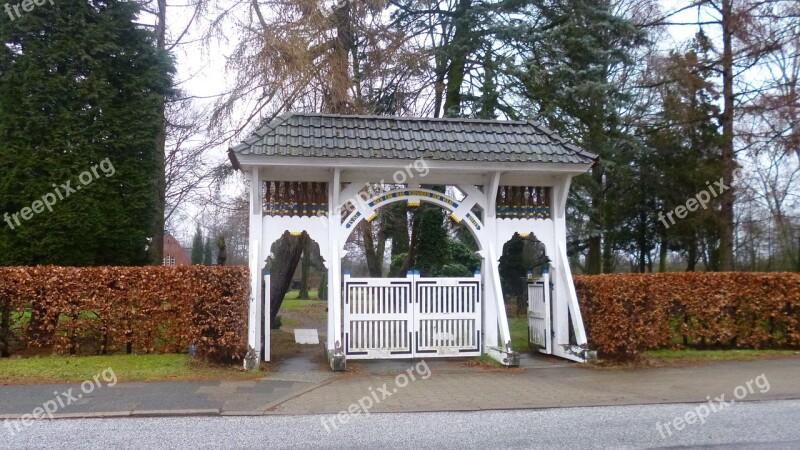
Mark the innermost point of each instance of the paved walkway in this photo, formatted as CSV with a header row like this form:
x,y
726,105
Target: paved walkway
x,y
407,386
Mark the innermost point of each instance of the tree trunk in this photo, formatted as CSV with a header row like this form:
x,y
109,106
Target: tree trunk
x,y
282,271
156,250
337,101
374,267
441,73
305,270
412,246
728,155
380,251
663,249
489,95
459,49
691,265
5,329
609,258
594,259
341,82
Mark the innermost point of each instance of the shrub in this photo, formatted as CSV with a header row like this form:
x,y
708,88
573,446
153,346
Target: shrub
x,y
132,309
627,313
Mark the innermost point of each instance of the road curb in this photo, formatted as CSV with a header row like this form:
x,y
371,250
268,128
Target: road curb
x,y
218,413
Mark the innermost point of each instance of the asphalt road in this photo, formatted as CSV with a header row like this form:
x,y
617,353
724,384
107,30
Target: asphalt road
x,y
768,424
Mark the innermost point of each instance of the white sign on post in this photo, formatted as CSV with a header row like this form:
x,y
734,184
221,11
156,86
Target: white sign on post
x,y
310,337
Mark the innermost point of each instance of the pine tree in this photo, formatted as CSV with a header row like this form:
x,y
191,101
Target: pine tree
x,y
571,56
79,85
198,247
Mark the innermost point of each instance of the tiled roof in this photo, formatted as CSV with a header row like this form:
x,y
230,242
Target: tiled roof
x,y
380,137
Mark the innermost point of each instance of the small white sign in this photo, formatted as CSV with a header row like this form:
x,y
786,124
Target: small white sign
x,y
306,336
447,351
378,353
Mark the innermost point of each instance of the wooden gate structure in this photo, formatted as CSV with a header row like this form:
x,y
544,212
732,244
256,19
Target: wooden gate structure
x,y
412,317
324,174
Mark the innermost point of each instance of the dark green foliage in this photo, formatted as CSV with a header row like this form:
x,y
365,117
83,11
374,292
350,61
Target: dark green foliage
x,y
431,245
437,252
454,270
198,247
79,83
686,143
464,259
396,264
395,218
322,293
521,256
574,56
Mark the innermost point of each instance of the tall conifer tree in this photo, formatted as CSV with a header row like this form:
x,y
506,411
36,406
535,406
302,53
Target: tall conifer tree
x,y
79,84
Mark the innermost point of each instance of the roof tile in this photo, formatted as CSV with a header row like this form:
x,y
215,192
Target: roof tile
x,y
378,137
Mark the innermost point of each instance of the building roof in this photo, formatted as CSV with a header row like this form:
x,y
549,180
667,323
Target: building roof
x,y
173,248
303,135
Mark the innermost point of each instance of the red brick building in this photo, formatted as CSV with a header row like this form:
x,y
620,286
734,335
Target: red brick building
x,y
173,253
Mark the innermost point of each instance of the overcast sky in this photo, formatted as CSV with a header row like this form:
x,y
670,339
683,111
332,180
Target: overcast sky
x,y
201,69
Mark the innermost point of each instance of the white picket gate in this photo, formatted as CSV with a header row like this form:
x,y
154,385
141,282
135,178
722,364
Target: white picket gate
x,y
413,316
539,314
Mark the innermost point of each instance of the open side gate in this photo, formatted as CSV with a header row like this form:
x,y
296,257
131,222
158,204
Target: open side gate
x,y
540,322
386,318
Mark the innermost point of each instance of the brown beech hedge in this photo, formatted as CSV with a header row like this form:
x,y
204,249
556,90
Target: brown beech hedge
x,y
165,309
106,310
627,313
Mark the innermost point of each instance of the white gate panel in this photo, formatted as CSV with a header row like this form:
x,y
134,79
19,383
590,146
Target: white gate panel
x,y
412,316
448,316
539,314
377,318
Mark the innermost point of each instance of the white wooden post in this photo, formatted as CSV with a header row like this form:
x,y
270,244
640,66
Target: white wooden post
x,y
560,304
267,316
254,313
499,304
565,299
336,355
489,265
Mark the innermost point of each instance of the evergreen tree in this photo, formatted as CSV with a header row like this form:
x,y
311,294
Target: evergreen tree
x,y
687,145
198,247
572,55
432,251
207,253
79,84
